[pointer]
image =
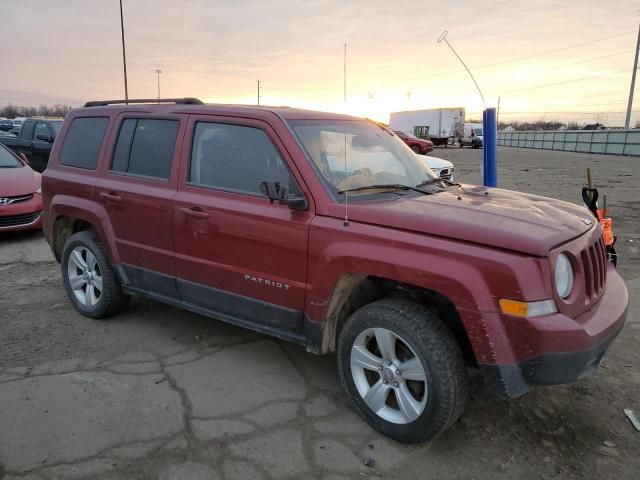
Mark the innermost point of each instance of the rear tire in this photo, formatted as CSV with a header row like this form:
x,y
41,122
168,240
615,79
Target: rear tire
x,y
90,282
414,384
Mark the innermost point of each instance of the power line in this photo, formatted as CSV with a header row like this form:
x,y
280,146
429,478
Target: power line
x,y
518,59
587,60
514,60
545,85
555,50
449,72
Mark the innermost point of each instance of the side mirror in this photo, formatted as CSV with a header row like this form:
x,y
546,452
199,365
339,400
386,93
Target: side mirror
x,y
44,138
273,191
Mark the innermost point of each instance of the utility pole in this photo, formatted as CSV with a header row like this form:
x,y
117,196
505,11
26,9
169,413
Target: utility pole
x,y
344,73
633,83
498,112
124,56
158,72
258,92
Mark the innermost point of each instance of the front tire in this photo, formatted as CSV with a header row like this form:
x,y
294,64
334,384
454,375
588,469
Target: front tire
x,y
403,369
88,278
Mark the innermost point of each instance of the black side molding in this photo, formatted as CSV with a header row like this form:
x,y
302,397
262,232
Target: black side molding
x,y
176,101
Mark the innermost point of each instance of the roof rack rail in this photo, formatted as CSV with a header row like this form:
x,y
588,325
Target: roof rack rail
x,y
177,101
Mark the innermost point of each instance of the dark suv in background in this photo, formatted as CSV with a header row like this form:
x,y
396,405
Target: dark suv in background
x,y
328,231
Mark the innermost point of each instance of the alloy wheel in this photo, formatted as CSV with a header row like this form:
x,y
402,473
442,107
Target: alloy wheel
x,y
389,376
84,276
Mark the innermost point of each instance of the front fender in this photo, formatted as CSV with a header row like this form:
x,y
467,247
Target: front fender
x,y
473,277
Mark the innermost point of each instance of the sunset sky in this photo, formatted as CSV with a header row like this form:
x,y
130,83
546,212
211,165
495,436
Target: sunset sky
x,y
69,51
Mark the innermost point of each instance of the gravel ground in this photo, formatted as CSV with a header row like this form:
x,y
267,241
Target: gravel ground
x,y
162,393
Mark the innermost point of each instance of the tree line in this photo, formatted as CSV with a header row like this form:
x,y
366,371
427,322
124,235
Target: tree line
x,y
13,111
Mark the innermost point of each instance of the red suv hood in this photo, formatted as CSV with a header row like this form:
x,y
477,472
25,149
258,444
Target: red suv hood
x,y
18,181
503,218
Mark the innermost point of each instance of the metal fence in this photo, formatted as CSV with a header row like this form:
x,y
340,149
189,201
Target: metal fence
x,y
614,142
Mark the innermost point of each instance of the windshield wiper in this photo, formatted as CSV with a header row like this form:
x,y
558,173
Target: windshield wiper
x,y
387,186
433,181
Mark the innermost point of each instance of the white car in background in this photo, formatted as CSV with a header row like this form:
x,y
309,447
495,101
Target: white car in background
x,y
442,168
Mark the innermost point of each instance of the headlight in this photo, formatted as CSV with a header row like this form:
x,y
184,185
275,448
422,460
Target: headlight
x,y
39,190
436,171
564,276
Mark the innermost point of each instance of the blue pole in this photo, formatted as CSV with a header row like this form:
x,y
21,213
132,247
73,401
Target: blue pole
x,y
490,147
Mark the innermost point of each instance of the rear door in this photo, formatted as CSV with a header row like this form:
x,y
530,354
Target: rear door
x,y
238,254
137,187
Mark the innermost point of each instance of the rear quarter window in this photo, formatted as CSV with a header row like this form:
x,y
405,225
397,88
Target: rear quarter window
x,y
82,143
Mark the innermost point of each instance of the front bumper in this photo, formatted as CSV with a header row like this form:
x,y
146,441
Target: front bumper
x,y
585,341
25,215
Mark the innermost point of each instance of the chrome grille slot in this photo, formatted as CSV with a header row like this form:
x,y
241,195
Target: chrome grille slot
x,y
594,265
12,200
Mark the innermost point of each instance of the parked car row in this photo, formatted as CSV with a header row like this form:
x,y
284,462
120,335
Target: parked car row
x,y
8,124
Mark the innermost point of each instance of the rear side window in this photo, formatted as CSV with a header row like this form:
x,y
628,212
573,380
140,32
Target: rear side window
x,y
82,144
145,147
234,157
27,130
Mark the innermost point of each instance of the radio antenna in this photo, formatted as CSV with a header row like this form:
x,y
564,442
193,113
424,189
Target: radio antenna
x,y
346,182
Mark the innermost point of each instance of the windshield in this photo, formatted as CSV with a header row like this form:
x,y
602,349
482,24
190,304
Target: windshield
x,y
7,160
56,127
373,155
477,131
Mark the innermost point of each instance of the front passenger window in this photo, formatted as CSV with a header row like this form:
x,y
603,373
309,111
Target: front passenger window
x,y
235,158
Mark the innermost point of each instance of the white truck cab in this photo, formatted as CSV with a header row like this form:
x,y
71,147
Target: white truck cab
x,y
473,136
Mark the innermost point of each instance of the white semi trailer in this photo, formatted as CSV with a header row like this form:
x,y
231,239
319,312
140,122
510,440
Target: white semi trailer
x,y
435,124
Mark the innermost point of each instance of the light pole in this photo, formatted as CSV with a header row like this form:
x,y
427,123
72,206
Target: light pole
x,y
158,72
633,83
258,91
344,73
443,38
489,128
124,56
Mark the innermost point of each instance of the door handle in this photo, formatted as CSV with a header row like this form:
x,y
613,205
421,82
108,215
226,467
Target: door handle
x,y
195,212
111,196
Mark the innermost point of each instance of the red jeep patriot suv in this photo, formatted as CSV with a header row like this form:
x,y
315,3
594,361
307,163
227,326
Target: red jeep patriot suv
x,y
326,230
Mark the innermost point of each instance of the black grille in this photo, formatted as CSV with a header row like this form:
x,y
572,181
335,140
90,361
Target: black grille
x,y
17,220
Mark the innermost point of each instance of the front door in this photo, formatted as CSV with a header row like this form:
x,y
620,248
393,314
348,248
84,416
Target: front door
x,y
137,186
41,146
237,254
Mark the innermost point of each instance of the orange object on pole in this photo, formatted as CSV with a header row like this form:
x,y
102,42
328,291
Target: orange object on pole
x,y
607,226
